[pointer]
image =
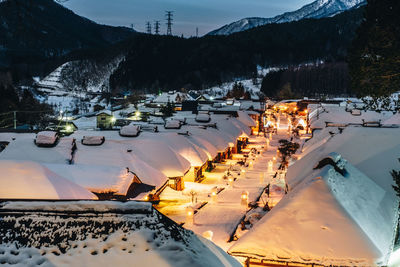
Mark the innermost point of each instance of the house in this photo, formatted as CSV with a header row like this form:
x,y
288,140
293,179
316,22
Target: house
x,y
100,233
173,97
341,209
105,119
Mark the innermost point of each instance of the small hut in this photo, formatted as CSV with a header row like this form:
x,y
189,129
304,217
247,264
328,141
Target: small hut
x,y
105,119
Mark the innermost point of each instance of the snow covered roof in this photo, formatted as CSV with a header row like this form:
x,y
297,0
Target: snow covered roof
x,y
336,114
130,130
246,119
104,111
160,155
310,226
101,233
371,154
92,140
46,138
203,117
30,180
393,120
190,151
172,97
103,168
172,124
23,148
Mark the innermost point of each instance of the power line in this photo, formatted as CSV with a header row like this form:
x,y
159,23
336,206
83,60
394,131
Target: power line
x,y
157,27
148,27
169,16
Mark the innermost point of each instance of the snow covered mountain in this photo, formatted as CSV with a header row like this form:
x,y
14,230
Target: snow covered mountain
x,y
317,9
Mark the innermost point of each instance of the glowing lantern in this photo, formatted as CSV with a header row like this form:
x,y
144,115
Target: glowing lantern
x,y
274,160
270,166
262,177
214,193
244,199
230,181
251,165
189,216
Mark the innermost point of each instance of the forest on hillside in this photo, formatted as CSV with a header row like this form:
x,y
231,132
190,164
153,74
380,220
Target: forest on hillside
x,y
168,63
327,79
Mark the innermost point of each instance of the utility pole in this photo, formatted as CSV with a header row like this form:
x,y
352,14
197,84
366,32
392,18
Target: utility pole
x,y
15,120
169,16
197,31
148,27
157,27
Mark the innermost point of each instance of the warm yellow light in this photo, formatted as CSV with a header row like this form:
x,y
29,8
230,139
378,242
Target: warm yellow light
x,y
244,196
190,213
113,119
68,128
137,113
213,193
146,198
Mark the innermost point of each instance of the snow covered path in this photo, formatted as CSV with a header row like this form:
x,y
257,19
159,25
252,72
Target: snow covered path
x,y
222,214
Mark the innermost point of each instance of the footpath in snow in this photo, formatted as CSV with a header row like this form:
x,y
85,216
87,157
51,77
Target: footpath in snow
x,y
217,215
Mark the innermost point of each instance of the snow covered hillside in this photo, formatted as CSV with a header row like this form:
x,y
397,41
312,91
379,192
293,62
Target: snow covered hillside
x,y
317,9
77,84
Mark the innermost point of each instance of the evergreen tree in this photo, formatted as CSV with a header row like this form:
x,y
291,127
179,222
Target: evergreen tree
x,y
396,178
375,54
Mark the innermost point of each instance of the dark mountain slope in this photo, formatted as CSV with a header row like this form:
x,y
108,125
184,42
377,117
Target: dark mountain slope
x,y
35,30
160,62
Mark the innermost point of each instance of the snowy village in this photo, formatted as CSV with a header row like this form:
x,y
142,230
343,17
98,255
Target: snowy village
x,y
106,163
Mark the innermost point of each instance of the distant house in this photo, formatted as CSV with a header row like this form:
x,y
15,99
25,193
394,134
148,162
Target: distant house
x,y
172,97
105,119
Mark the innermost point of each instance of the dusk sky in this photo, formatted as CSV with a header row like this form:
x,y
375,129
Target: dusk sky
x,y
207,15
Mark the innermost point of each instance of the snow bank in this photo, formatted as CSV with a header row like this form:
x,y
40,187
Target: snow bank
x,y
130,130
203,117
93,140
172,124
46,138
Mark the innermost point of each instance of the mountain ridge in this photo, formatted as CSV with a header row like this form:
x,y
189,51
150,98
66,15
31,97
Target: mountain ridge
x,y
316,9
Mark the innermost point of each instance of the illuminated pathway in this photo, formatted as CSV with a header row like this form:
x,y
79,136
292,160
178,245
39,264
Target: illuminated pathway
x,y
222,213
